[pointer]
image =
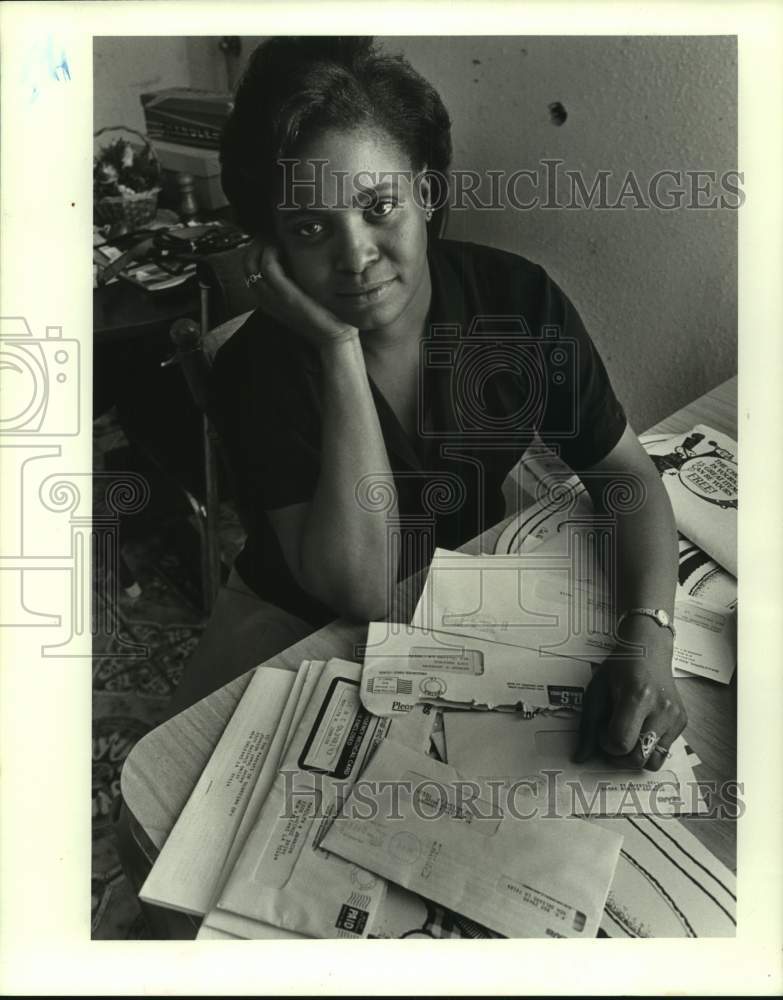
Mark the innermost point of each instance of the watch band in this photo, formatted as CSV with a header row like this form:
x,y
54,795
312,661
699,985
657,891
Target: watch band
x,y
659,616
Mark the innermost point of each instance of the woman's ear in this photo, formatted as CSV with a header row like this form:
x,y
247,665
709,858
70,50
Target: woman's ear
x,y
422,191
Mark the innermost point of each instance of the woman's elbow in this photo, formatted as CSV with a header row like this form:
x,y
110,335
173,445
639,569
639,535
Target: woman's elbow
x,y
357,600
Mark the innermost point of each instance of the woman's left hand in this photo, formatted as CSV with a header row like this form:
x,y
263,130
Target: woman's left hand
x,y
632,709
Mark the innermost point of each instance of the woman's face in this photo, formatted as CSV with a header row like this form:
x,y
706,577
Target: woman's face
x,y
353,230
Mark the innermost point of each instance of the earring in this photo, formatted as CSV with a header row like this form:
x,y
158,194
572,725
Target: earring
x,y
428,215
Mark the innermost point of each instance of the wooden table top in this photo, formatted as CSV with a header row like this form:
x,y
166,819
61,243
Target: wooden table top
x,y
163,768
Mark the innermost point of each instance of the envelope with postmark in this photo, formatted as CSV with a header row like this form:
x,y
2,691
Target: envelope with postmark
x,y
409,821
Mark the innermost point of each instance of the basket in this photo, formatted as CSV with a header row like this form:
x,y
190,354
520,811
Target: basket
x,y
135,208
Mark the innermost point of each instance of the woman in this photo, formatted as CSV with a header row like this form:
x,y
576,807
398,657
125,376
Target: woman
x,y
370,408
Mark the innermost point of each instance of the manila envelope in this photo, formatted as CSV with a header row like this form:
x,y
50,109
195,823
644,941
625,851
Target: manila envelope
x,y
404,666
531,877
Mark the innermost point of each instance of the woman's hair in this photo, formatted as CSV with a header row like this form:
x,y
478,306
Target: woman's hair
x,y
296,88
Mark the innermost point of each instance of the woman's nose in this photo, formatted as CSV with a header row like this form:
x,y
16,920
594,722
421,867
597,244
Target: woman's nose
x,y
356,249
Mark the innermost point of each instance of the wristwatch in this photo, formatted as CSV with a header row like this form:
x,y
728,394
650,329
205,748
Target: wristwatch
x,y
657,614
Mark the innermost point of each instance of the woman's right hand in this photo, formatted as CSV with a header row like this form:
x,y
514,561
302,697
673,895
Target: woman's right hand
x,y
284,300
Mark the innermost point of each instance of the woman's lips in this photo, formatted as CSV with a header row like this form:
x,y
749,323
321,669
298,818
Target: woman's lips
x,y
368,293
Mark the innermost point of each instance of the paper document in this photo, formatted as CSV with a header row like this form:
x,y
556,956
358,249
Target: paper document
x,y
552,496
298,699
535,601
702,579
667,884
519,878
553,501
404,665
519,600
186,874
699,471
706,643
511,747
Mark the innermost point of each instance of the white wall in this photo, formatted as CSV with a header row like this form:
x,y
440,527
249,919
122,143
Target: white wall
x,y
657,290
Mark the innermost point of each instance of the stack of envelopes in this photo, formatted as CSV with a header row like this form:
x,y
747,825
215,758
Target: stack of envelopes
x,y
328,809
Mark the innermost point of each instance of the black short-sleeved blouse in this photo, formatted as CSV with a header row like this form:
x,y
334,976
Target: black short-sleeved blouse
x,y
505,357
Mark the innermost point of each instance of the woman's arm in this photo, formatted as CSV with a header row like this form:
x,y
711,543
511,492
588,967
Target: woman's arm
x,y
631,695
337,548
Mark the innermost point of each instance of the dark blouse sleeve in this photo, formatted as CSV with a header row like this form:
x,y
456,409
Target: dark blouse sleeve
x,y
583,417
264,411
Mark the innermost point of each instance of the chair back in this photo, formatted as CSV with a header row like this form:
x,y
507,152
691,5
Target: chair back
x,y
195,353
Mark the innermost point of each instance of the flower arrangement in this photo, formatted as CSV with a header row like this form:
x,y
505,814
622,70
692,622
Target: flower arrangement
x,y
125,181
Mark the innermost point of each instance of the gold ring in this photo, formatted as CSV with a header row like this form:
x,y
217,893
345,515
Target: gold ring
x,y
253,278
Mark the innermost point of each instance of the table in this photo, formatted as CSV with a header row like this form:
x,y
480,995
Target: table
x,y
122,311
163,768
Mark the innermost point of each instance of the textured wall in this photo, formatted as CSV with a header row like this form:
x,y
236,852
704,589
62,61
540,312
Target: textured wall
x,y
656,289
125,68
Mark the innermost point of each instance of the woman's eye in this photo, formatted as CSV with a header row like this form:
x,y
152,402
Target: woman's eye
x,y
383,208
310,229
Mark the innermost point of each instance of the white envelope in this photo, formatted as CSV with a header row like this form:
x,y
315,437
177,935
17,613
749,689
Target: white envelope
x,y
404,666
298,700
402,914
539,601
218,923
518,600
510,747
520,878
187,874
283,877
